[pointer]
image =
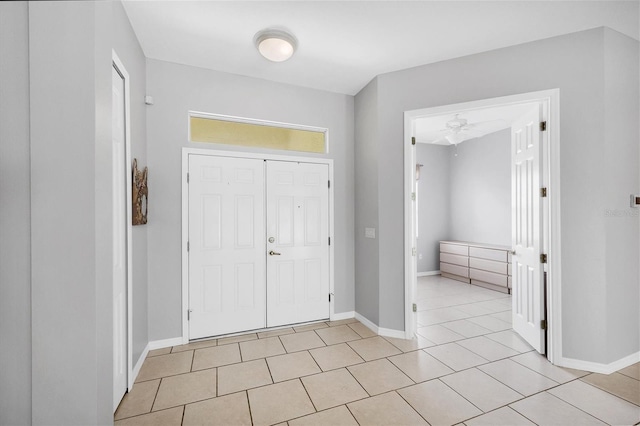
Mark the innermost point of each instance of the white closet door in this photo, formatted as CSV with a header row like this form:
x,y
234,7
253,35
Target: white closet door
x,y
297,242
527,288
226,245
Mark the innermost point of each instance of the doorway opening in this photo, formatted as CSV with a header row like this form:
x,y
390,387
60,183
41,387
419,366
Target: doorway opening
x,y
534,138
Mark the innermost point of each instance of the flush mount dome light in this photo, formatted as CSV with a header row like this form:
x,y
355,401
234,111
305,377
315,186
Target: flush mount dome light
x,y
275,45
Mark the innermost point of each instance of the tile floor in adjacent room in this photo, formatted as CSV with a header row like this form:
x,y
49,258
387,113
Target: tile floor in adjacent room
x,y
467,366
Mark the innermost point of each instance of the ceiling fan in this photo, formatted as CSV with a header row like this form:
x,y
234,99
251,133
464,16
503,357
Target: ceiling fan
x,y
459,129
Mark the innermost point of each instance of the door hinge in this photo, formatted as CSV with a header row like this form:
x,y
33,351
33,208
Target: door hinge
x,y
328,184
187,245
329,240
413,251
543,126
543,324
415,307
543,192
543,258
187,177
329,297
413,140
413,196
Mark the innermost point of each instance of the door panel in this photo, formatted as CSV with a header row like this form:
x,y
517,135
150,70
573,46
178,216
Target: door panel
x,y
226,239
298,222
527,288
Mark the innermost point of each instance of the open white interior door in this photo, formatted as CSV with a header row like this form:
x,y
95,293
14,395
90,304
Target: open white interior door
x,y
226,245
297,242
527,288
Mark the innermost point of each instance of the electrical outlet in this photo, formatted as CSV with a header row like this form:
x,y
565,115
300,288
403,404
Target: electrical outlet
x,y
370,232
420,256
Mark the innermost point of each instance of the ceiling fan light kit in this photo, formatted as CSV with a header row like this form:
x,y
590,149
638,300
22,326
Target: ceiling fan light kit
x,y
275,45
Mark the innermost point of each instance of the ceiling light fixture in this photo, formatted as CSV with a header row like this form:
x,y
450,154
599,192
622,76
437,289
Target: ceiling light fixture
x,y
275,45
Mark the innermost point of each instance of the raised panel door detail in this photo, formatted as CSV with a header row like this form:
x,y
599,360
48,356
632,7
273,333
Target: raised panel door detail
x,y
211,288
211,174
285,285
245,218
312,277
312,217
284,221
211,205
245,286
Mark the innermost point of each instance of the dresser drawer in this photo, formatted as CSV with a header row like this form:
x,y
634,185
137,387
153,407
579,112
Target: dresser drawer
x,y
454,259
489,254
454,249
454,269
489,277
488,265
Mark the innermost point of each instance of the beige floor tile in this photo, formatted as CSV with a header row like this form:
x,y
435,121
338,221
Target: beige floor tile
x,y
632,371
439,334
333,388
379,376
138,400
374,348
222,411
157,352
480,389
185,388
505,316
618,384
170,417
473,310
309,327
337,334
274,333
386,409
420,366
195,345
494,306
165,365
237,339
466,328
600,404
362,330
341,322
409,345
487,348
301,341
504,416
540,364
518,377
438,403
291,366
339,416
216,356
335,356
546,409
279,402
255,349
246,375
493,324
455,356
440,315
510,339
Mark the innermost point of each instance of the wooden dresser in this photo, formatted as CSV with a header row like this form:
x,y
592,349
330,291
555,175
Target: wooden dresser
x,y
484,265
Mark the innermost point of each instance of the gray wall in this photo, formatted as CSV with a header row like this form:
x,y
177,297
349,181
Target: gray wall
x,y
176,89
434,203
573,63
366,187
621,151
15,219
481,190
130,53
70,127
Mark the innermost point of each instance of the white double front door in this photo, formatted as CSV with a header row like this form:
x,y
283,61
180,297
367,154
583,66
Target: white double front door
x,y
258,244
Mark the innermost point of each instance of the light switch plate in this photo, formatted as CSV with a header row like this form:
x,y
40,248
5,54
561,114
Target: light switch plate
x,y
635,200
370,232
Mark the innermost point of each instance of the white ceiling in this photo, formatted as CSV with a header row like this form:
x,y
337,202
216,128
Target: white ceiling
x,y
483,121
342,45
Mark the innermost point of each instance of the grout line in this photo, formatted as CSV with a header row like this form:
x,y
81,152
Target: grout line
x,y
412,407
184,409
155,396
246,394
603,389
308,396
352,415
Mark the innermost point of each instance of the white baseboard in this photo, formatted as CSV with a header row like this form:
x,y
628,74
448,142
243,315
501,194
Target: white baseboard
x,y
428,273
160,344
138,366
596,367
379,330
342,316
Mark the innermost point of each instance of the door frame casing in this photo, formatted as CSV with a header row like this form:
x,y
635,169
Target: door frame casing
x,y
186,151
117,63
551,214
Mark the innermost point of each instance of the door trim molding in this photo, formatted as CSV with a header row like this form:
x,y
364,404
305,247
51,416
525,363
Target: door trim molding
x,y
550,214
117,63
185,218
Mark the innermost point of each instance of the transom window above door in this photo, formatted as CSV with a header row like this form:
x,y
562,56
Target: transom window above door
x,y
255,133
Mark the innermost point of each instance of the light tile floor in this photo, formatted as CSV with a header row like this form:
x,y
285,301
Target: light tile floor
x,y
466,365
